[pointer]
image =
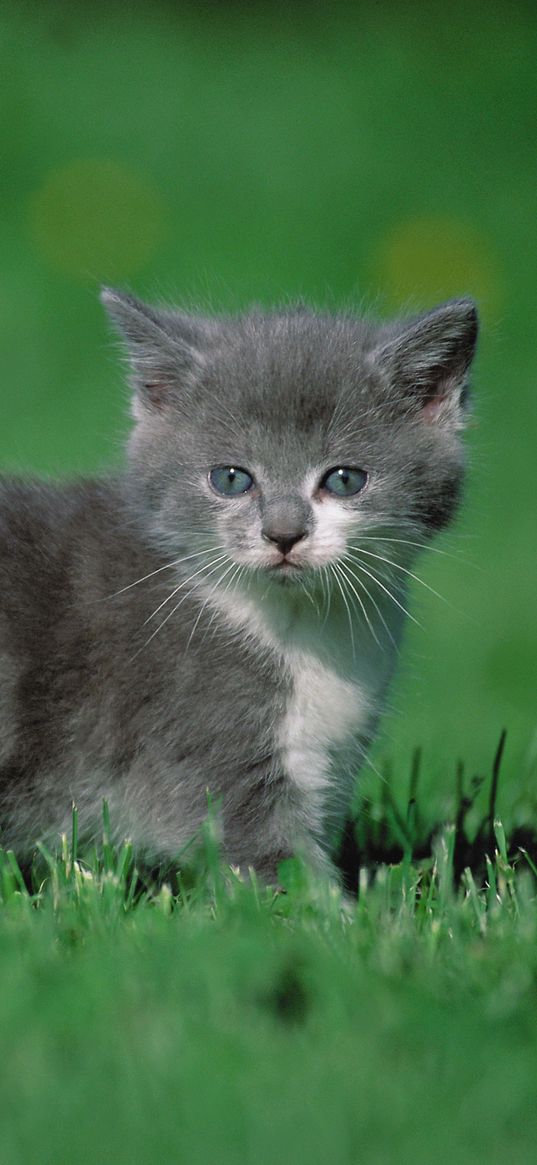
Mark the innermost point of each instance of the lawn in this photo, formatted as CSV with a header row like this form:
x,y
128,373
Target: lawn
x,y
223,1022
381,156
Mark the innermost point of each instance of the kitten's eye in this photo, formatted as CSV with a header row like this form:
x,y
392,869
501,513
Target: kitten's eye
x,y
344,481
230,481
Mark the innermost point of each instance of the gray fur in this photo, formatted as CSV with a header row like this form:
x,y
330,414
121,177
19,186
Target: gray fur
x,y
95,700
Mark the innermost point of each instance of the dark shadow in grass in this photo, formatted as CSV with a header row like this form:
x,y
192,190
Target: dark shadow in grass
x,y
374,839
288,998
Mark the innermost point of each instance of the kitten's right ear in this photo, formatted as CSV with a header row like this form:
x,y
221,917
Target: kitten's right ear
x,y
428,359
162,355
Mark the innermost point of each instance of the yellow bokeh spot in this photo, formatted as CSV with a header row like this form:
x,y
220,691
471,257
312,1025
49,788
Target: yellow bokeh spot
x,y
426,260
95,219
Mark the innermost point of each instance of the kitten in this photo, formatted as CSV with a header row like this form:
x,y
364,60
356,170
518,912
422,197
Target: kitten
x,y
225,614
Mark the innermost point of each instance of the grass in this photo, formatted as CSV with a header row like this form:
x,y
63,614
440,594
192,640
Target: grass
x,y
199,1018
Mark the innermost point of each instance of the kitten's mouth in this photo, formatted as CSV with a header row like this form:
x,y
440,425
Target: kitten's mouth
x,y
285,569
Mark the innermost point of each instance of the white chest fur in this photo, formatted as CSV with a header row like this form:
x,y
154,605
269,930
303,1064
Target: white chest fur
x,y
317,742
324,714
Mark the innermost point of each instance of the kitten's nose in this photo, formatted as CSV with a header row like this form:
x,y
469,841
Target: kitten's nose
x,y
283,539
285,520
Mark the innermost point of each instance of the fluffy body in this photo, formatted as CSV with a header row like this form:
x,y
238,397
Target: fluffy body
x,y
159,641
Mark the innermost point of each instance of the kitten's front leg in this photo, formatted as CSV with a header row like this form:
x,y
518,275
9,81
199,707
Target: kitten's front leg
x,y
267,820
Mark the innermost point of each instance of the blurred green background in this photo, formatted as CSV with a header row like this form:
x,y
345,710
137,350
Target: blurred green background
x,y
379,154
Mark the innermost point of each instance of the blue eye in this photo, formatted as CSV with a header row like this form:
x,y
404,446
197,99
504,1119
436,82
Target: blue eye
x,y
344,482
230,481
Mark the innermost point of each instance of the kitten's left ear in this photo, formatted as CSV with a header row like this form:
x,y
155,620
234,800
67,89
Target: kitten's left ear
x,y
161,346
428,359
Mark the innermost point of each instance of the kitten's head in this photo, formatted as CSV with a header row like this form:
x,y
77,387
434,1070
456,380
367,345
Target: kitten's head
x,y
281,438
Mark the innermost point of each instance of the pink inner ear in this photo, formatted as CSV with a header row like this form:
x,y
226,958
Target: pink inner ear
x,y
432,409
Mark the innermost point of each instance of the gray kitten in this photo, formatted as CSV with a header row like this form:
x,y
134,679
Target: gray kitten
x,y
225,614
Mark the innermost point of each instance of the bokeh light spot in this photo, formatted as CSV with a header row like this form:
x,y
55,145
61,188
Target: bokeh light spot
x,y
426,260
95,219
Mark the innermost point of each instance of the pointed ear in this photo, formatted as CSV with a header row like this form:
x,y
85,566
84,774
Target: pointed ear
x,y
428,359
160,347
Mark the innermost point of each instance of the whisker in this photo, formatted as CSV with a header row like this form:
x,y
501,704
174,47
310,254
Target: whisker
x,y
174,609
235,578
208,599
327,594
167,566
220,558
240,568
334,568
421,546
345,570
371,597
306,590
326,571
398,566
389,593
182,584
